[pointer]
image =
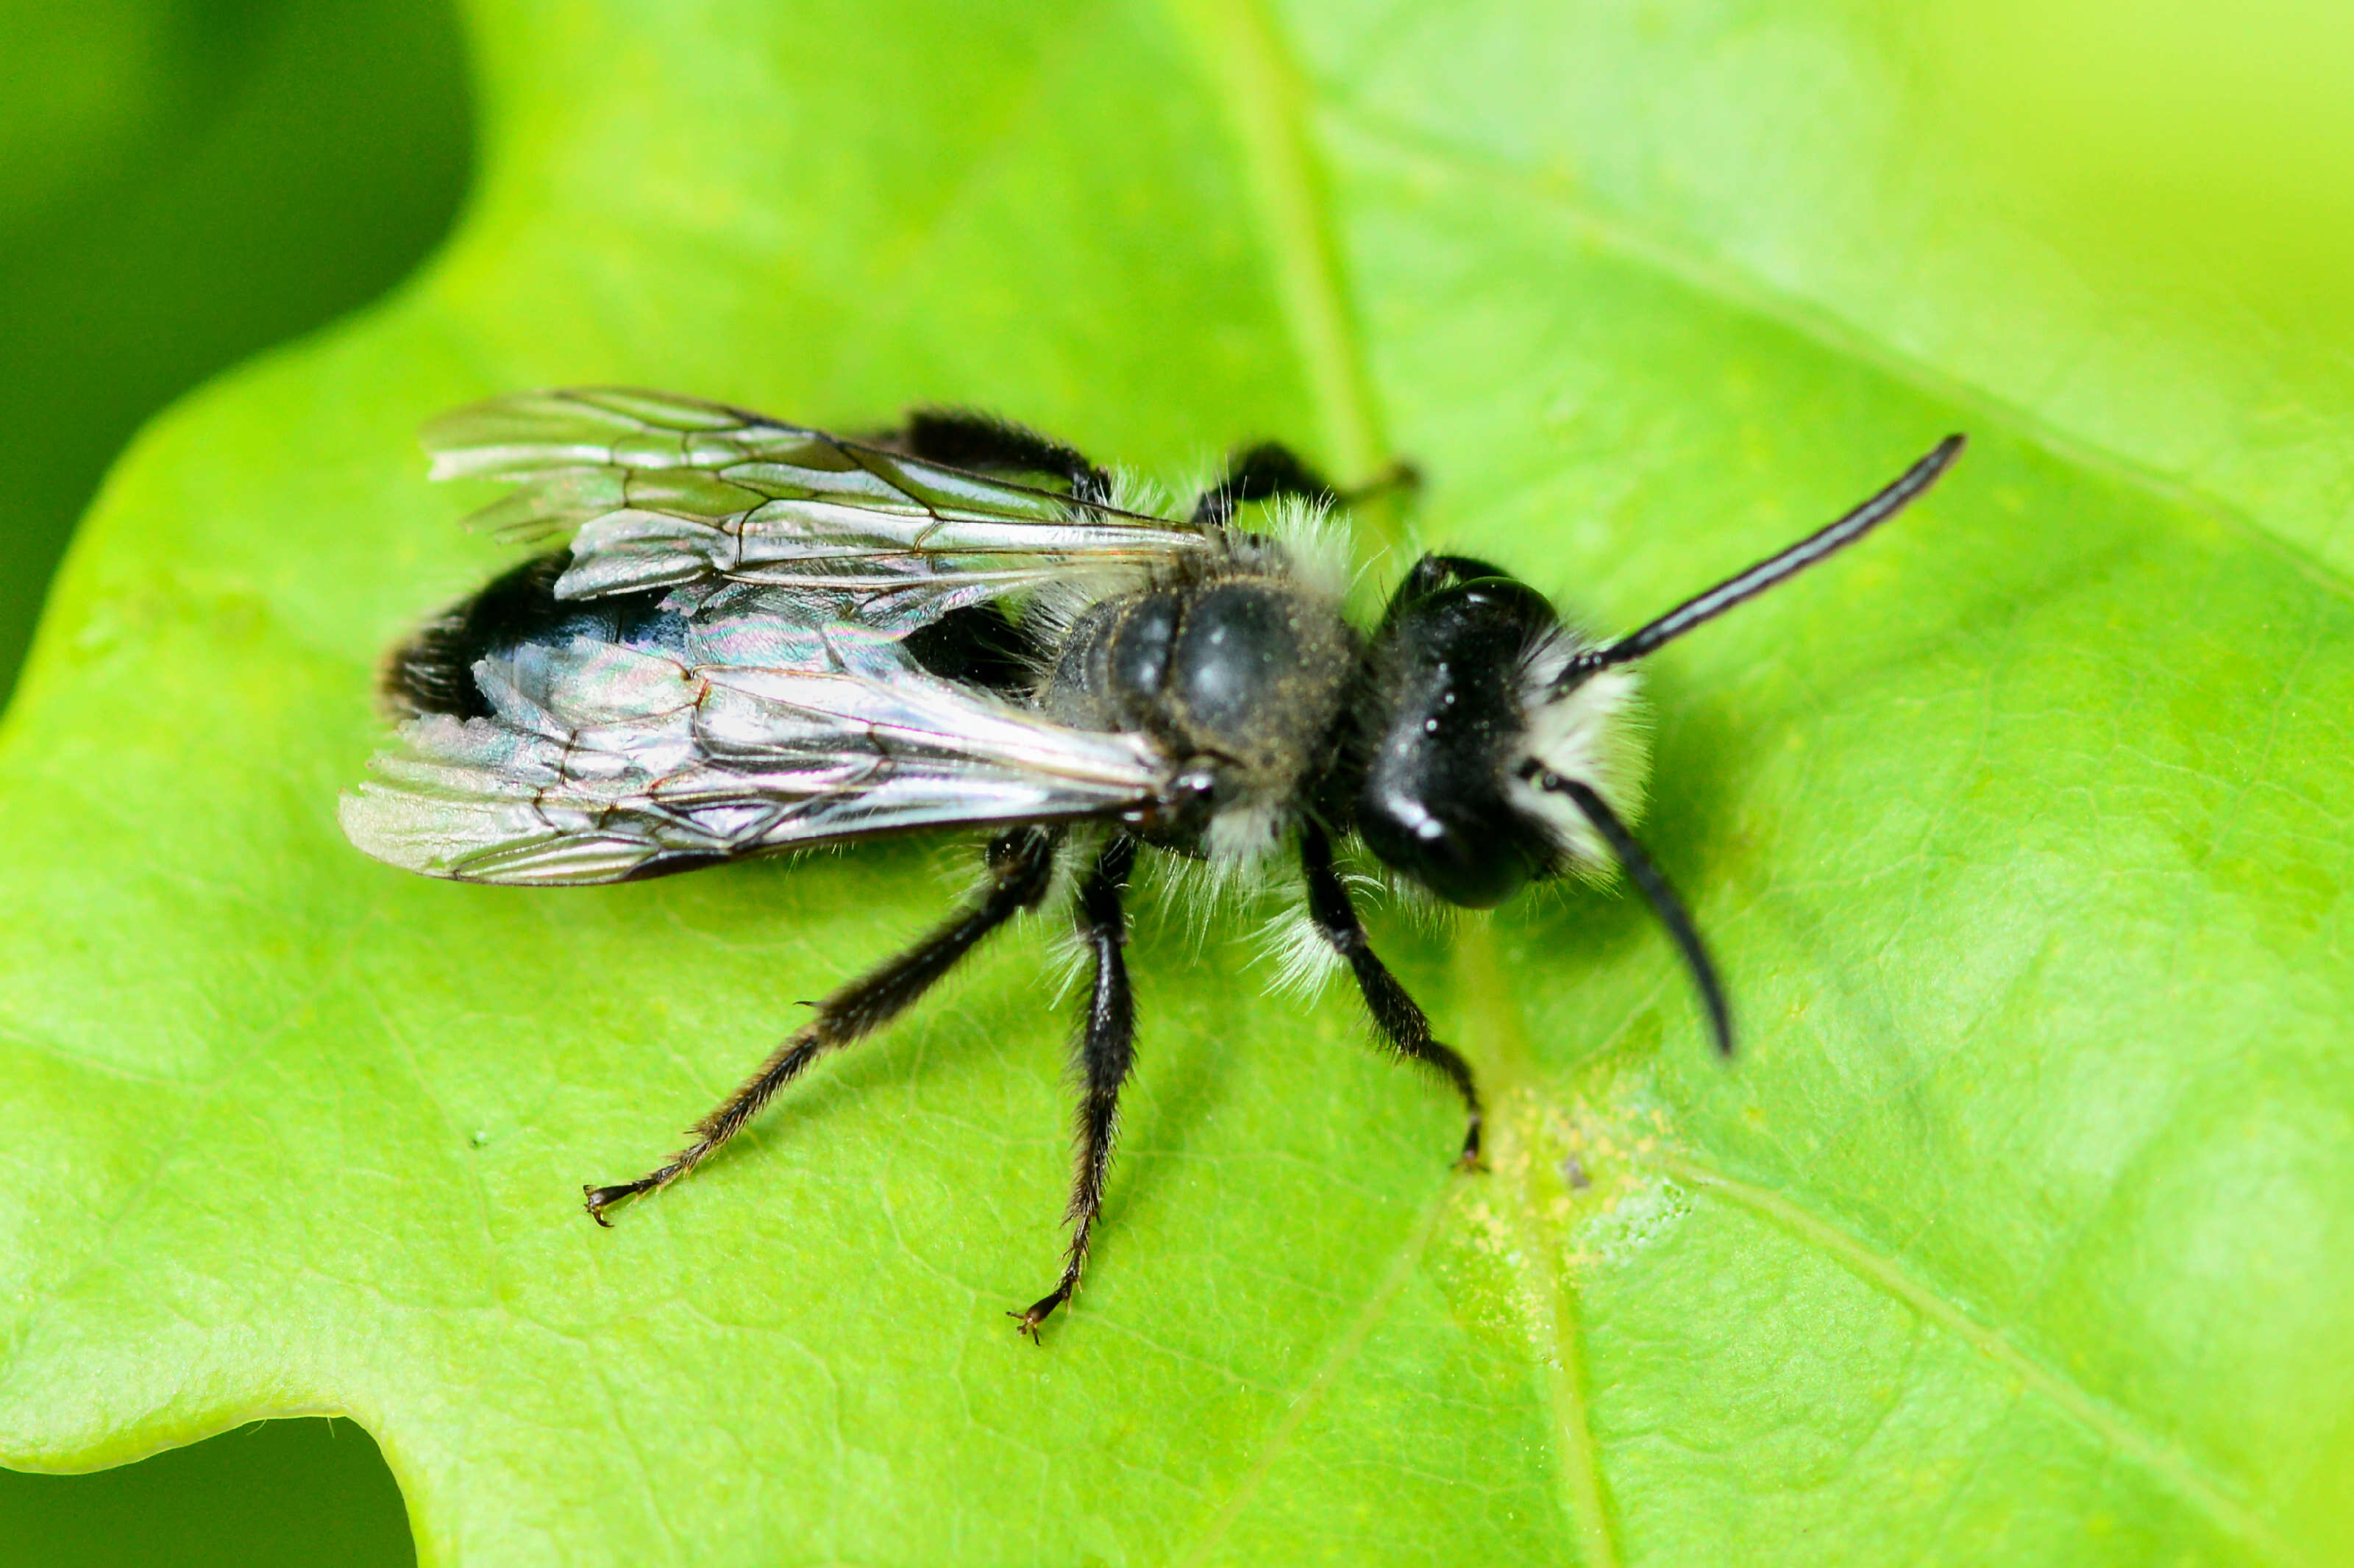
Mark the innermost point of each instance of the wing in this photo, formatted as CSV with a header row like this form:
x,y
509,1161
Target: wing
x,y
600,764
669,491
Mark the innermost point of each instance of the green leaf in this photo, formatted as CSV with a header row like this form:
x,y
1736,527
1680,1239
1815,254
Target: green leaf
x,y
2020,1231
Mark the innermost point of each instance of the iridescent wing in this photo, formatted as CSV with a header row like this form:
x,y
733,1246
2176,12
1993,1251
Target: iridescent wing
x,y
669,491
600,764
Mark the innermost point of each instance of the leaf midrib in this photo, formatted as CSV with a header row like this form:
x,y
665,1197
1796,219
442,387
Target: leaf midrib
x,y
1266,95
1270,97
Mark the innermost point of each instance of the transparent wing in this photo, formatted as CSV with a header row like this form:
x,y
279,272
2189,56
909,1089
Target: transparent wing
x,y
601,763
669,491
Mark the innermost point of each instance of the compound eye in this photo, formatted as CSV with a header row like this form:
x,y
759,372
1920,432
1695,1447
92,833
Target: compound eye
x,y
1462,856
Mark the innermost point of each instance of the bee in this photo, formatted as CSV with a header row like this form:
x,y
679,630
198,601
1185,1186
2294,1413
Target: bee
x,y
760,639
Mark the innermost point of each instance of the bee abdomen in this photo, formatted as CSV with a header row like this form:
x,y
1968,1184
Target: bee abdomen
x,y
433,672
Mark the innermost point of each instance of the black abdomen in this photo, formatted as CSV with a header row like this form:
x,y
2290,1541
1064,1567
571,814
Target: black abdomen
x,y
433,673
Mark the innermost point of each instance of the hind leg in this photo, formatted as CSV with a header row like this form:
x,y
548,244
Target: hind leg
x,y
1021,865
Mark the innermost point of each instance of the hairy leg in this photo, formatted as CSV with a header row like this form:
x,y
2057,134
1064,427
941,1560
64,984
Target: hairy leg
x,y
1270,471
1395,1014
965,437
1105,1044
1262,472
1020,865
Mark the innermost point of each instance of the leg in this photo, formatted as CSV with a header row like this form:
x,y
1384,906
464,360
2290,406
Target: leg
x,y
1401,1022
964,437
1104,1054
1261,472
1269,471
1020,864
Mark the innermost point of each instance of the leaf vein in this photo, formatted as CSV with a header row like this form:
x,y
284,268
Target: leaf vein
x,y
1344,1351
1716,279
2113,1426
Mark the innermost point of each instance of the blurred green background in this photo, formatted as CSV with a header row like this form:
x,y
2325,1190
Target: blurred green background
x,y
183,184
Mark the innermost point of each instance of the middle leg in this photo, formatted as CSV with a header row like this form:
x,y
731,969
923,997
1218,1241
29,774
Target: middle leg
x,y
1262,472
1270,471
1107,1051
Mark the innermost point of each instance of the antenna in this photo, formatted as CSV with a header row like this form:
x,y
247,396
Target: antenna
x,y
1664,902
1747,585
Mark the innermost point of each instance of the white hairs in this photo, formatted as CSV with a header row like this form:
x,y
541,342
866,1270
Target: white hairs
x,y
1596,732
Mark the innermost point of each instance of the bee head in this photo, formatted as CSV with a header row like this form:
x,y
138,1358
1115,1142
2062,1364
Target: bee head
x,y
1508,748
1463,782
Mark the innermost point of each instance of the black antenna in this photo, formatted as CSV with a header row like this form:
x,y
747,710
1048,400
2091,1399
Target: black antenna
x,y
1664,902
1765,573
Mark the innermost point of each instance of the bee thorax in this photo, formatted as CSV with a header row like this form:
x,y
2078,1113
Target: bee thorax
x,y
1239,676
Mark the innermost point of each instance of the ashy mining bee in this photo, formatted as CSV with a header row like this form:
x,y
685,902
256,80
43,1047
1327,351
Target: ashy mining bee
x,y
762,637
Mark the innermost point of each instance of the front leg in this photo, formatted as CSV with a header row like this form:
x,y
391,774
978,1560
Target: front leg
x,y
1395,1014
1106,1041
